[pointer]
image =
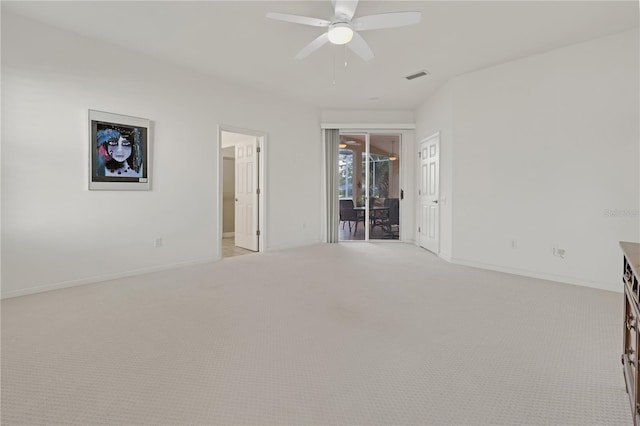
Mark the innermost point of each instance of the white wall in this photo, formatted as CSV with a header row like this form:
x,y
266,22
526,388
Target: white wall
x,y
543,149
56,233
368,116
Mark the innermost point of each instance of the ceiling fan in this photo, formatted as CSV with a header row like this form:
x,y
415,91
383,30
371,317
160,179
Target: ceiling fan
x,y
343,29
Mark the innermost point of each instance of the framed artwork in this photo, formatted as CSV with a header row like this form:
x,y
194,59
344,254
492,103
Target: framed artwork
x,y
119,152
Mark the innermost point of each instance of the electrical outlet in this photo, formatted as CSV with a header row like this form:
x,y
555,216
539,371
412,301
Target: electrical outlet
x,y
558,252
157,243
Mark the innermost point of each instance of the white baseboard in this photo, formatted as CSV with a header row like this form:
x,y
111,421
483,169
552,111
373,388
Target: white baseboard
x,y
541,275
290,245
444,256
100,278
228,234
531,274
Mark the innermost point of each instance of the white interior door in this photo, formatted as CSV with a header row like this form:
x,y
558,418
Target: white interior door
x,y
246,195
429,193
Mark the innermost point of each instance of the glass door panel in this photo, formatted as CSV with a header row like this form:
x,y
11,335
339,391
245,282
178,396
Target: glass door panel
x,y
369,186
383,170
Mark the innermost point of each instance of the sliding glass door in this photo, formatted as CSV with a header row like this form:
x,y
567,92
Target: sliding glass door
x,y
369,186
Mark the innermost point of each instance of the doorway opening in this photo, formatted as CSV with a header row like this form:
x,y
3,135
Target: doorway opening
x,y
241,195
369,186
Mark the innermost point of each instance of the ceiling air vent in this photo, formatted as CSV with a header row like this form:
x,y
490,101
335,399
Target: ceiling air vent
x,y
416,75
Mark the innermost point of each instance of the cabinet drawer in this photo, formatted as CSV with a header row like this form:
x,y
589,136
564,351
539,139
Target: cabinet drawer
x,y
630,280
630,326
631,338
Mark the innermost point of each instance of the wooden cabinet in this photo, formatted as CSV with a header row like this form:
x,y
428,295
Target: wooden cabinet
x,y
630,275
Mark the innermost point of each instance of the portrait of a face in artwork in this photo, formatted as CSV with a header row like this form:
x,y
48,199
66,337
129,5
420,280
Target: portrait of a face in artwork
x,y
119,151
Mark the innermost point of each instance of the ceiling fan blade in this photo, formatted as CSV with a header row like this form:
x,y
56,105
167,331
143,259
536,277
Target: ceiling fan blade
x,y
313,46
360,47
386,20
345,8
304,20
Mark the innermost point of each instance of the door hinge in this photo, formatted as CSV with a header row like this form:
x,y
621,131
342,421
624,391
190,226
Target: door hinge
x,y
418,229
258,149
419,154
419,192
258,232
258,191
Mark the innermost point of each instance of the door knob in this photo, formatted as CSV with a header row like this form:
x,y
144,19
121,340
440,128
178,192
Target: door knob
x,y
435,201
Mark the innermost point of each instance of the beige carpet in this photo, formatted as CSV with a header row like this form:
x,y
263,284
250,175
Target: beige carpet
x,y
354,333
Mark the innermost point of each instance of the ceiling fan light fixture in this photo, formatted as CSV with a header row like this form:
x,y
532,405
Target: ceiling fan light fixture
x,y
393,156
340,33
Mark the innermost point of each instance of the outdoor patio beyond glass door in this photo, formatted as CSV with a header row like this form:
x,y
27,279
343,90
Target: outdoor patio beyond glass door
x,y
369,186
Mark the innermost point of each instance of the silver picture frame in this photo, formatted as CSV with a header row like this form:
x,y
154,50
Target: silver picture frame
x,y
119,152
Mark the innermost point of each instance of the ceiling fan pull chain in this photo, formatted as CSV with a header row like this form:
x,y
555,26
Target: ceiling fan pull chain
x,y
345,56
334,68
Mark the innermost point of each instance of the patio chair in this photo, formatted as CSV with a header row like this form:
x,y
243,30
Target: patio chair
x,y
348,214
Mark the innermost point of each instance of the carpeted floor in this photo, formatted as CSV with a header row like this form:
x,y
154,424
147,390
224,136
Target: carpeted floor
x,y
353,333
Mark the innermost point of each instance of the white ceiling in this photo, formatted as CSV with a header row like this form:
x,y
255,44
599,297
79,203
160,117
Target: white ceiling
x,y
233,41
